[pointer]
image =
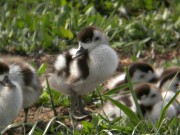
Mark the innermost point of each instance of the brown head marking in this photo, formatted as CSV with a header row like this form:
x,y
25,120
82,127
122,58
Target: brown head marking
x,y
144,67
86,34
4,68
142,90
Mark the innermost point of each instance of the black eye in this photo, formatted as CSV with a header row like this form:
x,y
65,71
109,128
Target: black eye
x,y
142,76
177,84
88,40
96,38
153,95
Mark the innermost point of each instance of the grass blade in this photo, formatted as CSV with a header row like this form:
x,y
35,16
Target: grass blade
x,y
52,103
48,125
163,112
132,116
133,93
42,69
33,128
117,89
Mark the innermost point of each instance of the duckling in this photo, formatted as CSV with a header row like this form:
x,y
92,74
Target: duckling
x,y
169,85
10,97
139,72
144,95
151,103
25,75
79,72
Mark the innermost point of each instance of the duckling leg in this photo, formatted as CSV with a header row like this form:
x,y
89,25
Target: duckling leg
x,y
73,99
81,106
26,114
74,103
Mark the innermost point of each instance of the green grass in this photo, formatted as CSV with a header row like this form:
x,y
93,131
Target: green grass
x,y
28,26
50,26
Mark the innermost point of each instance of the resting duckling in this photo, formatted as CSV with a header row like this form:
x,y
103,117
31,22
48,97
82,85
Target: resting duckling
x,y
169,86
151,103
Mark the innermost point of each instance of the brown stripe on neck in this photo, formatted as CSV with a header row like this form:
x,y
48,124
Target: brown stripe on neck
x,y
66,70
83,65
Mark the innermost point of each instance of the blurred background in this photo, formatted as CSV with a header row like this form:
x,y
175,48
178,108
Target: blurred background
x,y
50,26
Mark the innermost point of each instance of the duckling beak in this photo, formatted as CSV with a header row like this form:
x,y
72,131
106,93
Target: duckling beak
x,y
153,80
7,82
79,52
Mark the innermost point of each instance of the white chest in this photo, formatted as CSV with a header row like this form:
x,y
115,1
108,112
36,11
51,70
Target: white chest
x,y
10,104
102,63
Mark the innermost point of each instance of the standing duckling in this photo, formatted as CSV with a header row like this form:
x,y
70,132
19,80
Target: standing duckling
x,y
25,75
10,97
79,72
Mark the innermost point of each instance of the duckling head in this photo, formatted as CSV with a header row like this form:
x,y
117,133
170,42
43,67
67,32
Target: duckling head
x,y
142,72
89,38
171,82
147,94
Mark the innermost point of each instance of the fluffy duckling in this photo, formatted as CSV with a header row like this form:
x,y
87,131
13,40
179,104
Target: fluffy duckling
x,y
151,103
144,95
139,72
169,85
10,97
149,99
79,71
25,75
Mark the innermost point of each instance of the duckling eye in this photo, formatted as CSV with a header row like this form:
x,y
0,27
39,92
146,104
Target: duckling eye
x,y
142,76
96,38
177,84
88,40
153,95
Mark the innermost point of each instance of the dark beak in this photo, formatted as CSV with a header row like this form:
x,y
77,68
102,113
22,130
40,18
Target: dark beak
x,y
79,52
7,82
153,80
